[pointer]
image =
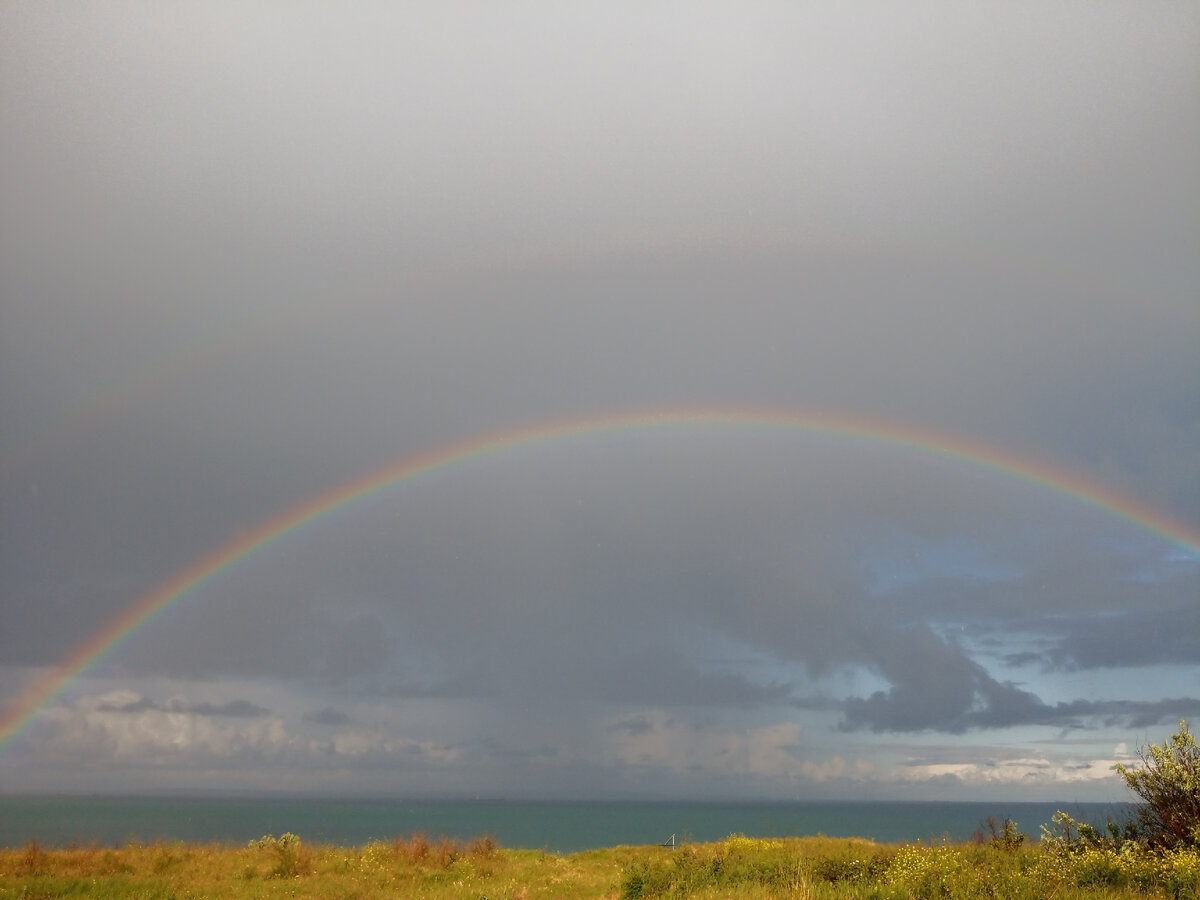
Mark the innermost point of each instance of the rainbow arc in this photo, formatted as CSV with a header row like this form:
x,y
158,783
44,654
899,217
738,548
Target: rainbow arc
x,y
43,692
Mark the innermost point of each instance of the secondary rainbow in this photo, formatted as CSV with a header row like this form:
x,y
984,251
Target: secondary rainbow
x,y
38,695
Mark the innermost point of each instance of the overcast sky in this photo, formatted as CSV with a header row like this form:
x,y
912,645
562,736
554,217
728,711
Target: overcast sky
x,y
252,252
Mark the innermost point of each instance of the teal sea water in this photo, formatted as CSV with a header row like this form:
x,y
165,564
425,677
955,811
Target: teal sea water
x,y
563,827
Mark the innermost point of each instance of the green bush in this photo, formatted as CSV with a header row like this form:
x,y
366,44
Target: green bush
x,y
1168,780
645,880
287,852
851,869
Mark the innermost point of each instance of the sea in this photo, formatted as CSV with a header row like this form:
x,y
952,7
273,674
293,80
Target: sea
x,y
554,826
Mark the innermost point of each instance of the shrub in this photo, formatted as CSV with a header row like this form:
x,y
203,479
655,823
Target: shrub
x,y
851,869
484,847
287,852
1006,838
1069,836
414,850
375,857
445,852
926,871
645,880
1168,780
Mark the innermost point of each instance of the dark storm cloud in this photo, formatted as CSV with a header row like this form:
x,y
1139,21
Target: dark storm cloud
x,y
933,686
658,676
1079,714
1135,637
1023,658
457,688
232,708
249,255
987,704
322,406
142,704
984,703
505,588
634,725
327,716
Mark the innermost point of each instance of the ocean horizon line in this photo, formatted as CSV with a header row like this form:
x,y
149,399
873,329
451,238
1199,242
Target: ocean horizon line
x,y
563,826
364,797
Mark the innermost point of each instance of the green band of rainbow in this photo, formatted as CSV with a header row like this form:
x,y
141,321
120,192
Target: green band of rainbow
x,y
27,706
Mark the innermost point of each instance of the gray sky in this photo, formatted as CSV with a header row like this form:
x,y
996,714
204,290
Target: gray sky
x,y
249,253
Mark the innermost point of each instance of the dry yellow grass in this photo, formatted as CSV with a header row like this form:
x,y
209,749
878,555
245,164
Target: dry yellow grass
x,y
412,867
740,866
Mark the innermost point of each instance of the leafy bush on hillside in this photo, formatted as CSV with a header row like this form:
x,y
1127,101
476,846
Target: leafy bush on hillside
x,y
1168,780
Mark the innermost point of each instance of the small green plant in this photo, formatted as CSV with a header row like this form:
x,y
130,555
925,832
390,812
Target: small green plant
x,y
1009,839
287,851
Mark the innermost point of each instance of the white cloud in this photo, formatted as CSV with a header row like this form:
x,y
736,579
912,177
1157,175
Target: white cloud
x,y
1016,772
121,725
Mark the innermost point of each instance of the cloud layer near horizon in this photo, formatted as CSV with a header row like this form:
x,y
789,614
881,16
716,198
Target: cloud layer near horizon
x,y
249,256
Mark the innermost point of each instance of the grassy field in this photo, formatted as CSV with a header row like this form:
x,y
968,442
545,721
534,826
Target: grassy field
x,y
288,867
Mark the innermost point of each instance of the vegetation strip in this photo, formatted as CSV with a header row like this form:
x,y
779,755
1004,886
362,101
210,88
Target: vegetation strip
x,y
1157,854
746,867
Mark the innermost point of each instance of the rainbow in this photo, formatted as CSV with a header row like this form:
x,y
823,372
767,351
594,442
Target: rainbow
x,y
41,693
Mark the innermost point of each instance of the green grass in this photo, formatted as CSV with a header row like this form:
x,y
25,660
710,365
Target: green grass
x,y
415,866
